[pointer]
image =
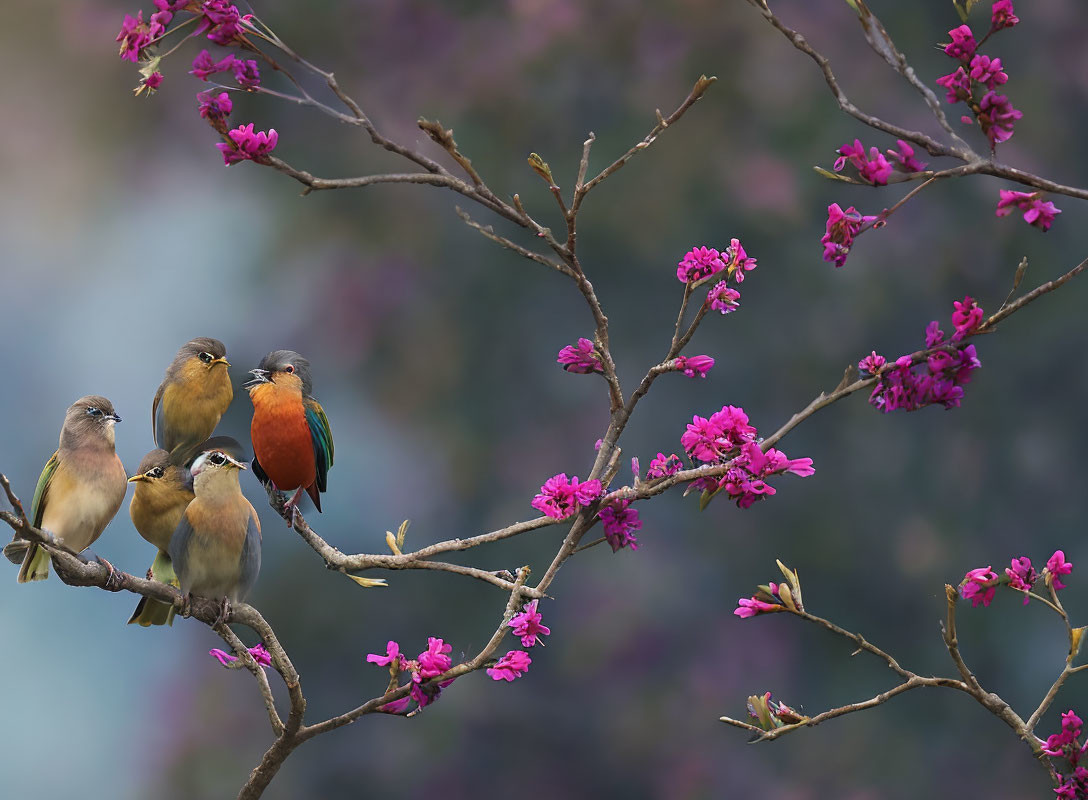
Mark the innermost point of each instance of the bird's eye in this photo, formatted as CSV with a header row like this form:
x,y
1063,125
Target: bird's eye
x,y
289,369
94,412
155,473
217,459
207,358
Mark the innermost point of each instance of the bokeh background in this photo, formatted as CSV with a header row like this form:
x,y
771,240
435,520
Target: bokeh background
x,y
122,236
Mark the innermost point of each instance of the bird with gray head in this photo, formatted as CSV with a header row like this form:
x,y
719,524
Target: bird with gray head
x,y
216,548
292,442
80,489
192,397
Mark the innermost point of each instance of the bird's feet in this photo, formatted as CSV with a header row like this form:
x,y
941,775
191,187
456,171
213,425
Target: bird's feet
x,y
113,580
290,508
224,613
186,606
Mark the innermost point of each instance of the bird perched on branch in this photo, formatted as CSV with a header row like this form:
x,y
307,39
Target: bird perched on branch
x,y
292,443
192,397
162,491
216,548
79,490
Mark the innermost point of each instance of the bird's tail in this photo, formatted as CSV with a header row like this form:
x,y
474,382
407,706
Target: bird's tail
x,y
155,612
35,564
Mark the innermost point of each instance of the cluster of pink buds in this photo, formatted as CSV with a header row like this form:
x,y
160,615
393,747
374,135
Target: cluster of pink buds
x,y
980,585
772,597
431,663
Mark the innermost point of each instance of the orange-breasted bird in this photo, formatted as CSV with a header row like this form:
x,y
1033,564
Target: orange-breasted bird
x,y
162,491
292,443
216,549
79,490
192,397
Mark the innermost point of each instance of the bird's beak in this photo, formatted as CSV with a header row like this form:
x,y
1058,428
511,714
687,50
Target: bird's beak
x,y
137,478
259,376
113,418
236,462
219,361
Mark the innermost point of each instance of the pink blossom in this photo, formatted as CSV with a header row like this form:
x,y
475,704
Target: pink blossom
x,y
873,168
1021,575
214,108
872,363
561,497
581,359
157,25
710,439
978,586
1056,566
842,227
527,624
903,155
204,65
737,261
1002,15
699,263
620,523
247,145
511,666
693,366
723,298
221,20
134,37
662,466
958,86
434,660
966,317
750,607
963,44
997,117
392,655
934,334
1036,212
258,651
153,81
988,70
246,73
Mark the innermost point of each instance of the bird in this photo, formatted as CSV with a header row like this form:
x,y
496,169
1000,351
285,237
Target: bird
x,y
80,489
161,492
292,443
192,397
216,547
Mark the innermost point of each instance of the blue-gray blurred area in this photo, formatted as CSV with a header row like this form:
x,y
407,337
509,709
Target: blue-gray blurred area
x,y
122,235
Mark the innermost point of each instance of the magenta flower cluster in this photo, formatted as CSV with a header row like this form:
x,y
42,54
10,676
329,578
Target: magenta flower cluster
x,y
661,466
727,437
431,663
700,263
841,229
947,370
561,497
1073,781
875,168
762,602
693,366
980,585
258,651
247,145
245,71
993,112
581,358
528,627
620,522
1036,212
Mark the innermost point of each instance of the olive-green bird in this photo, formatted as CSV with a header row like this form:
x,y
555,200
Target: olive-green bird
x,y
79,490
192,397
161,492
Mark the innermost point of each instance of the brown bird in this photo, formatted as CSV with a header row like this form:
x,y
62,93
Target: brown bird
x,y
79,490
192,397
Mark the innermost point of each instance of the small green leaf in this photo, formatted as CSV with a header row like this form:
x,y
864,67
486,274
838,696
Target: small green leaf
x,y
834,176
541,168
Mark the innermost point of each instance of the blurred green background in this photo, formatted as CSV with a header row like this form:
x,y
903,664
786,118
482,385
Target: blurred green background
x,y
122,236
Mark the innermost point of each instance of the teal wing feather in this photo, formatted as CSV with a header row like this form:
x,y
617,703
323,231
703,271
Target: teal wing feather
x,y
322,439
42,490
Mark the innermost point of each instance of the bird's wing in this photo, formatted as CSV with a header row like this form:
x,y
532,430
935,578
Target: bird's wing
x,y
322,438
179,549
158,422
250,564
42,489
